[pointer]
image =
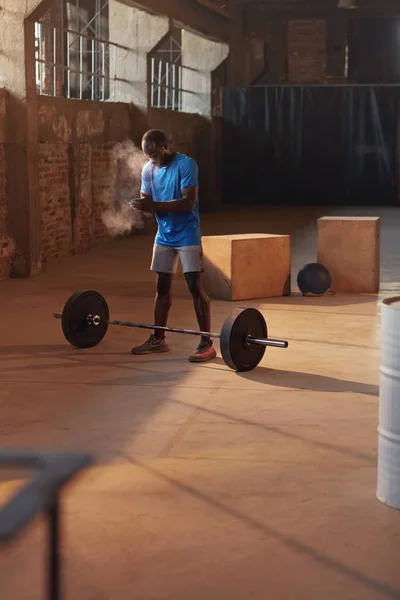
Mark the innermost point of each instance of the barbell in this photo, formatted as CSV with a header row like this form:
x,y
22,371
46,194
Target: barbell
x,y
243,339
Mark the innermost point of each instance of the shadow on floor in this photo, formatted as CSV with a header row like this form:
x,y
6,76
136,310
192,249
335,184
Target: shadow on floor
x,y
303,381
230,418
164,377
277,378
308,381
270,377
329,562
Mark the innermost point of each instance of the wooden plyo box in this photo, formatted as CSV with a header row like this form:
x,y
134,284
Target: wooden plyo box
x,y
247,266
349,247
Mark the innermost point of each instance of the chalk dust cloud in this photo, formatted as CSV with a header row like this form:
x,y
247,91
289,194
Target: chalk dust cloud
x,y
118,217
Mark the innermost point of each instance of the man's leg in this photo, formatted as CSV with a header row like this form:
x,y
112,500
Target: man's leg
x,y
163,302
201,303
164,263
192,264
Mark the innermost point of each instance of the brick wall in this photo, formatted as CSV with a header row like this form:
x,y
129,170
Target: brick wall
x,y
103,187
306,41
55,202
76,185
77,170
79,176
83,206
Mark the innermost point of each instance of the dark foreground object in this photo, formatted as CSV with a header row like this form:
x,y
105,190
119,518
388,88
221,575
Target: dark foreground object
x,y
41,494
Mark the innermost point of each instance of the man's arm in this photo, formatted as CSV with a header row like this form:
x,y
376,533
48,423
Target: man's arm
x,y
186,204
145,202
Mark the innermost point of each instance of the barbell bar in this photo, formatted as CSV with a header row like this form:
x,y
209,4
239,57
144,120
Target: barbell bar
x,y
243,338
96,320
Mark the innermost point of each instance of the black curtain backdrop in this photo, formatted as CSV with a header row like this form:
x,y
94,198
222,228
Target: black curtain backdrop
x,y
315,145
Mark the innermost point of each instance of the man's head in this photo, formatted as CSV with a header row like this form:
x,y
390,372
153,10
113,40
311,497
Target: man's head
x,y
156,148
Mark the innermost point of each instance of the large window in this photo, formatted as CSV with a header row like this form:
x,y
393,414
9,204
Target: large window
x,y
166,72
73,51
174,86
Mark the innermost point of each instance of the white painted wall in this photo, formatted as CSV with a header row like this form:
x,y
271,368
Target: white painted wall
x,y
202,56
12,56
139,32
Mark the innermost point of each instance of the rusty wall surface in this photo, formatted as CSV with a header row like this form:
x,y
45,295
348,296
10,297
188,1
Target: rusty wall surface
x,y
76,121
306,44
81,186
76,169
55,205
76,185
104,188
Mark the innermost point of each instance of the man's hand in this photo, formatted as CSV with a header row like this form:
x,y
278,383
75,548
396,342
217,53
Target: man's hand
x,y
186,204
143,204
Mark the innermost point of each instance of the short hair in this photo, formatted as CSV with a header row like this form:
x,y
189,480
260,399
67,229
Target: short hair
x,y
156,137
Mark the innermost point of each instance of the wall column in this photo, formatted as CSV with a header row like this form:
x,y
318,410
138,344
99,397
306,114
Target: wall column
x,y
17,70
136,33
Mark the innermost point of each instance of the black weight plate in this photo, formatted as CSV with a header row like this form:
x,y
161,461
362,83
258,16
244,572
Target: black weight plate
x,y
75,327
236,352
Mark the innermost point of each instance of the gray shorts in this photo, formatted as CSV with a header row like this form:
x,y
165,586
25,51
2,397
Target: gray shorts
x,y
165,259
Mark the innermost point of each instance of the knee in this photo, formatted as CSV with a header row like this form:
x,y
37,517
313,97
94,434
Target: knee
x,y
163,287
194,285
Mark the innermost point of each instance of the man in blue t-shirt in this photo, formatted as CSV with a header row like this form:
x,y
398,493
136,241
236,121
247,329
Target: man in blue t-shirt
x,y
170,189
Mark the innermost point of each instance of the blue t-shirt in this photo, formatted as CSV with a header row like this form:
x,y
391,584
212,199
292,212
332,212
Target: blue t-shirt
x,y
164,184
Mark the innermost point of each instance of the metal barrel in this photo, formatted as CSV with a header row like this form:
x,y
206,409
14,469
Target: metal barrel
x,y
388,476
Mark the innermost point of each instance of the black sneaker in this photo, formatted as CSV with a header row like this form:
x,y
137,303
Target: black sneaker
x,y
153,345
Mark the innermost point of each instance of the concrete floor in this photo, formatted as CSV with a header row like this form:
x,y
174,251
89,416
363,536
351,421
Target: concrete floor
x,y
208,484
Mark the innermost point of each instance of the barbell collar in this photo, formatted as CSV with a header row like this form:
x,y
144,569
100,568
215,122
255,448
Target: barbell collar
x,y
267,342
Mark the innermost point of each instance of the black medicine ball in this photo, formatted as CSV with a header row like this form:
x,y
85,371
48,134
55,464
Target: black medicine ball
x,y
314,280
